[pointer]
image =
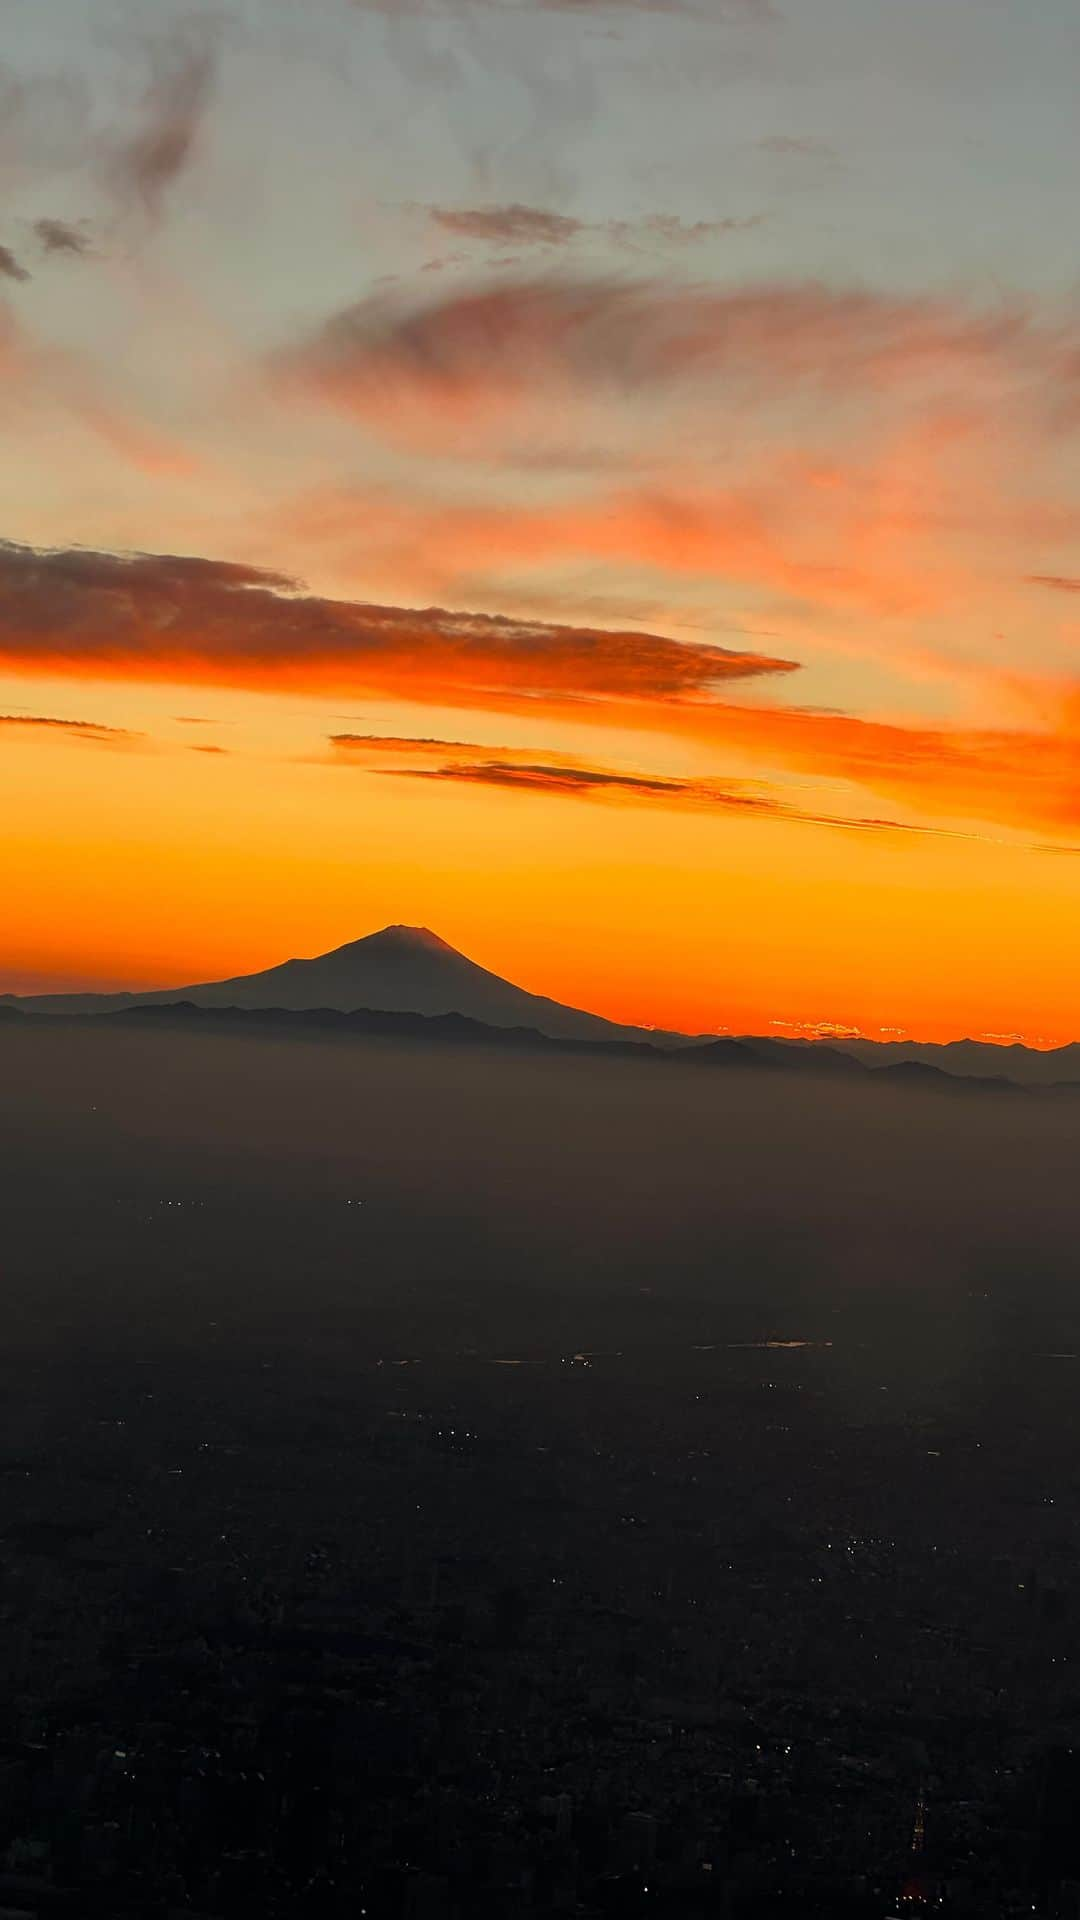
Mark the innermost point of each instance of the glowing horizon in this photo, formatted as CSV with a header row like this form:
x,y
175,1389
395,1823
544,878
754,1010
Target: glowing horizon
x,y
637,541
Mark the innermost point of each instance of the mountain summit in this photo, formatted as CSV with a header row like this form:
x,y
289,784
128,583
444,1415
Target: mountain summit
x,y
397,970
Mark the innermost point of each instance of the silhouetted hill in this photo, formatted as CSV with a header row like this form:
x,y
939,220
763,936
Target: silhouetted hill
x,y
453,1029
731,1053
972,1059
803,1056
920,1073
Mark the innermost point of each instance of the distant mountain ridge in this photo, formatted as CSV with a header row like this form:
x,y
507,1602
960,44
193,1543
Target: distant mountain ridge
x,y
456,1030
974,1059
404,970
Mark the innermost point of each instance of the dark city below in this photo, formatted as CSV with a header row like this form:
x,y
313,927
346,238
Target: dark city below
x,y
440,1485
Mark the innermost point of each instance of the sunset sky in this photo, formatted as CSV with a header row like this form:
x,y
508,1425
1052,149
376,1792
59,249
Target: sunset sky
x,y
599,478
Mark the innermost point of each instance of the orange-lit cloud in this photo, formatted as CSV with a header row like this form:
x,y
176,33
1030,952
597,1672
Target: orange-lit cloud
x,y
160,617
1013,777
60,385
163,618
1057,582
1016,779
69,729
529,770
836,546
432,368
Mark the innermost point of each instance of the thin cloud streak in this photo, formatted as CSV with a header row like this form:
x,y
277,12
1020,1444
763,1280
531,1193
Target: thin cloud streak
x,y
514,225
73,729
712,11
559,777
1057,582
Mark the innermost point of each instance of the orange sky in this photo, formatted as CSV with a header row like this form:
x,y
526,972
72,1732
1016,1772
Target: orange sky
x,y
609,551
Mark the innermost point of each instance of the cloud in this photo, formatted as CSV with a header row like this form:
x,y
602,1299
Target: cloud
x,y
514,225
784,535
557,776
713,11
1057,582
510,225
95,615
1011,777
62,236
585,782
146,165
74,729
840,450
9,266
163,617
798,146
488,361
60,384
954,776
669,228
139,446
538,771
44,122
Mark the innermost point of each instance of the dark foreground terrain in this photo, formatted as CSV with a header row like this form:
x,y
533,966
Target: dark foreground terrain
x,y
438,1484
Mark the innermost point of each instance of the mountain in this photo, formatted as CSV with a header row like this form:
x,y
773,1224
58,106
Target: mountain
x,y
800,1054
399,970
457,1030
410,971
972,1059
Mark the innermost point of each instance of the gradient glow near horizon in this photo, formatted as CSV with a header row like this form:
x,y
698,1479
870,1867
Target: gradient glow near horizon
x,y
600,478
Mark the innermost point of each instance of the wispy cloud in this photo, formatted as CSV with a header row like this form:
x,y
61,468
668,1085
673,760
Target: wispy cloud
x,y
490,357
145,165
63,237
715,11
10,268
797,146
72,729
514,225
1057,582
527,770
786,534
509,225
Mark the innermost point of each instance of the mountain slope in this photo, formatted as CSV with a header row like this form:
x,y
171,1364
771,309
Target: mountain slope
x,y
399,970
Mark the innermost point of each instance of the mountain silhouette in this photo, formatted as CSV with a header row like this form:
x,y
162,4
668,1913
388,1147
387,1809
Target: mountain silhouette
x,y
410,971
973,1059
398,970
